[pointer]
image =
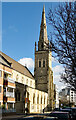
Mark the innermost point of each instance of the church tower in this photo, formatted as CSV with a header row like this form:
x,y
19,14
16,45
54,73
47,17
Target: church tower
x,y
43,62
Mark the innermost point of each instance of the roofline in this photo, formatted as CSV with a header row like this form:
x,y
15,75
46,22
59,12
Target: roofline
x,y
18,63
29,71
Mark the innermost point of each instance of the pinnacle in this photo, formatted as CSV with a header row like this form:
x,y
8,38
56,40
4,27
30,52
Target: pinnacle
x,y
44,8
43,32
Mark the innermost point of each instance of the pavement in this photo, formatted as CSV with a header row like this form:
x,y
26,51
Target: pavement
x,y
13,117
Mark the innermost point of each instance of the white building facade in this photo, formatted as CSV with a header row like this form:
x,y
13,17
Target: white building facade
x,y
69,94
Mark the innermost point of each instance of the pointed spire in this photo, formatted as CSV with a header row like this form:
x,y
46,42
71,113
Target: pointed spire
x,y
43,22
35,46
44,8
43,32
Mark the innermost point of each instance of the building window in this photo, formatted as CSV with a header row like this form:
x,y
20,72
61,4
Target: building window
x,y
44,100
42,45
10,105
5,75
43,63
38,99
30,83
34,99
39,63
27,81
10,89
0,89
0,73
41,99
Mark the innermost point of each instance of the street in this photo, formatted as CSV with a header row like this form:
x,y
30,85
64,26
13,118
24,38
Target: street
x,y
29,117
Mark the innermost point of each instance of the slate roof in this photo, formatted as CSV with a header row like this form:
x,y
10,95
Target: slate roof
x,y
17,66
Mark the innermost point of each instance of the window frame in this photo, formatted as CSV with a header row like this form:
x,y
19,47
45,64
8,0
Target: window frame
x,y
39,63
43,63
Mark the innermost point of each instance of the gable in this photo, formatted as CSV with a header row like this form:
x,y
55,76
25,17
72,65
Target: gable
x,y
4,61
15,65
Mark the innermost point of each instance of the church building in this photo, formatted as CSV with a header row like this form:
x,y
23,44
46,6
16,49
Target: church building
x,y
43,63
19,89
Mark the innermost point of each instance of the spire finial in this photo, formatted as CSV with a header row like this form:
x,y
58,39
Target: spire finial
x,y
43,8
35,46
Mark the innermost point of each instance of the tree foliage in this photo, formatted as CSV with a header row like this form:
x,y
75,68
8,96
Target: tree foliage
x,y
63,39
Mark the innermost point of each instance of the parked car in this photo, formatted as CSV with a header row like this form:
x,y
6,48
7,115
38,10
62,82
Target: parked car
x,y
69,110
73,113
60,115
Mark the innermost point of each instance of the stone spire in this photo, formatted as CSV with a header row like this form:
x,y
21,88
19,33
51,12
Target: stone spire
x,y
43,40
43,22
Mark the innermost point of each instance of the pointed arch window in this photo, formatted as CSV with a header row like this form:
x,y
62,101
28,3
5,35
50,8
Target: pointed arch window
x,y
34,98
38,99
41,99
39,63
43,63
42,45
44,99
